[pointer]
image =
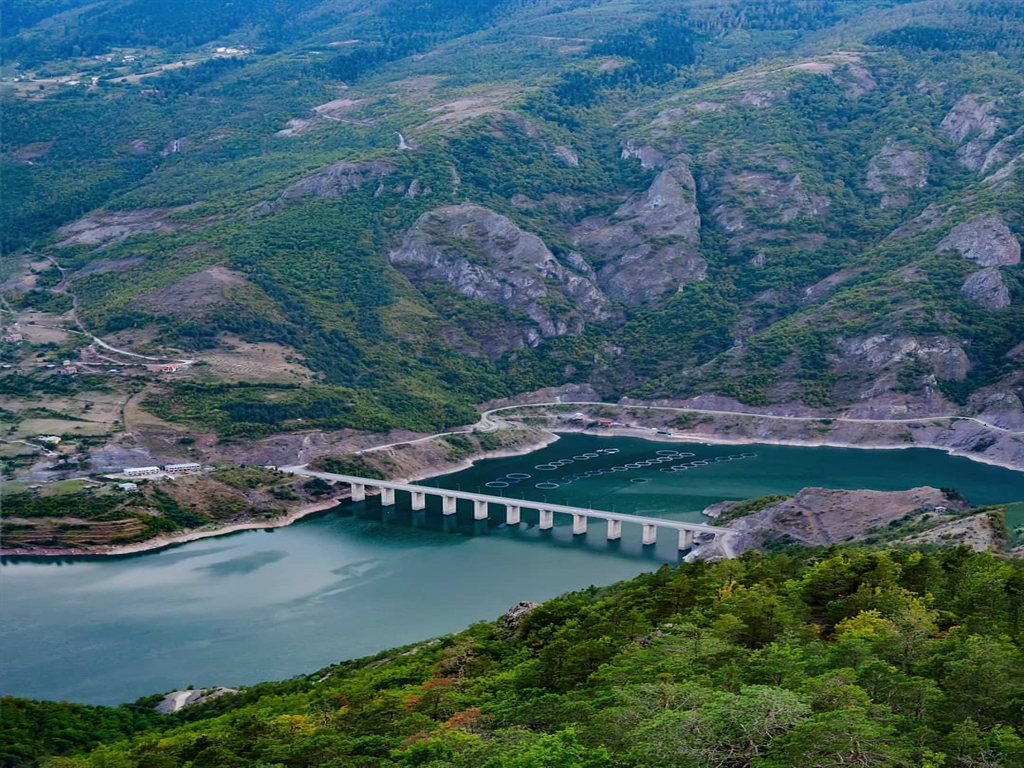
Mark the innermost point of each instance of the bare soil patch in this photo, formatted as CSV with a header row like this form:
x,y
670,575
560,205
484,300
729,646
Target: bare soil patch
x,y
195,294
264,361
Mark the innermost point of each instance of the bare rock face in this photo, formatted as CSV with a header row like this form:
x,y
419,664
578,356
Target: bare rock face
x,y
650,242
103,227
777,200
566,154
649,157
943,355
1001,152
821,516
971,125
514,616
333,181
984,239
986,287
668,208
178,700
483,255
649,273
896,169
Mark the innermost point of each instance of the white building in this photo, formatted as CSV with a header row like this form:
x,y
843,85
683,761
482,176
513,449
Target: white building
x,y
182,469
140,471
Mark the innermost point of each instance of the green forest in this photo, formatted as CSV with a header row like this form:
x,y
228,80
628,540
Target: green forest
x,y
805,658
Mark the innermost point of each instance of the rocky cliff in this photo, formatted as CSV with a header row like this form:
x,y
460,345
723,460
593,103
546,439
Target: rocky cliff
x,y
484,255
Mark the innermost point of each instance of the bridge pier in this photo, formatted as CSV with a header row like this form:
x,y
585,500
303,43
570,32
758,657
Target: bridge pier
x,y
419,500
650,533
387,497
579,524
448,504
685,539
358,492
614,530
547,519
479,510
512,514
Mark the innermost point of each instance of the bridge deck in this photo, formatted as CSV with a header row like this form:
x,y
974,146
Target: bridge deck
x,y
564,509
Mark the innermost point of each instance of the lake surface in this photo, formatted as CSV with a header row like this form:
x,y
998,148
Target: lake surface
x,y
265,605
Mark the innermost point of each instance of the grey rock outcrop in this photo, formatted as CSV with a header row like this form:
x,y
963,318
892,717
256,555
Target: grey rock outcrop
x,y
986,287
649,244
566,154
874,354
649,157
484,255
971,125
333,181
668,208
514,616
894,170
777,200
984,239
178,700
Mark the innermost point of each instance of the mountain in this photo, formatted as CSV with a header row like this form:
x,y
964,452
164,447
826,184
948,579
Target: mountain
x,y
424,206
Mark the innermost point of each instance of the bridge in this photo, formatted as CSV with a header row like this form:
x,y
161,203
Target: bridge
x,y
513,508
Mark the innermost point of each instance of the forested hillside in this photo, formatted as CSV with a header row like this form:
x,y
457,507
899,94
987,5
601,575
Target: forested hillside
x,y
432,205
893,659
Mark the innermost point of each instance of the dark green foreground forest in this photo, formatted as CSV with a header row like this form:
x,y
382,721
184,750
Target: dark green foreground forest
x,y
839,657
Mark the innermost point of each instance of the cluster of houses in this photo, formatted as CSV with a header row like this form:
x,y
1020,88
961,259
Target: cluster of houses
x,y
189,468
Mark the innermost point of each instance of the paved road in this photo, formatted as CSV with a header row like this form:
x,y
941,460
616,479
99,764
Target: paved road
x,y
915,420
488,424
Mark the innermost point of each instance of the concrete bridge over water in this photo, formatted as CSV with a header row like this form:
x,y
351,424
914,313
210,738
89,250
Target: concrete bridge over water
x,y
513,509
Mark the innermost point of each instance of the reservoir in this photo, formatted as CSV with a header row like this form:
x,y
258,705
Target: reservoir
x,y
265,605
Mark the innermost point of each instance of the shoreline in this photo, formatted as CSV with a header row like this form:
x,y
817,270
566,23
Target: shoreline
x,y
543,437
196,534
700,437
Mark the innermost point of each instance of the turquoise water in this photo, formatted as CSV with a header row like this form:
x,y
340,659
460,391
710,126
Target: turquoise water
x,y
270,604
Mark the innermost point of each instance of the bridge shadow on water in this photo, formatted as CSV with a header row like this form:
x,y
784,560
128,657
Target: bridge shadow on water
x,y
462,526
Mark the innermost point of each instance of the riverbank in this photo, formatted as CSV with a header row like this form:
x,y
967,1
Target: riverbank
x,y
415,460
703,437
958,436
161,542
